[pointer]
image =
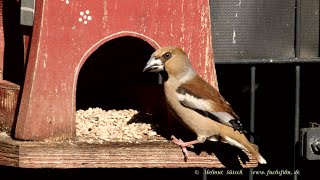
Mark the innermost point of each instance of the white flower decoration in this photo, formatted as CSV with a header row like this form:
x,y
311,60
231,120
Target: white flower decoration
x,y
66,1
85,17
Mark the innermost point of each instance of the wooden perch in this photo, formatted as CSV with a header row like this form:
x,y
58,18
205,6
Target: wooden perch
x,y
31,154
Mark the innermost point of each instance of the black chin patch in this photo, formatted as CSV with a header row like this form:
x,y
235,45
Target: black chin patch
x,y
164,75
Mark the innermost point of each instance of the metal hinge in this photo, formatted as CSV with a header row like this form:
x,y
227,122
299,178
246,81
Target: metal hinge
x,y
310,142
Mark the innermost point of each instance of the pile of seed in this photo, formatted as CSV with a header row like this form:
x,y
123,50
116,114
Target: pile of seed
x,y
96,125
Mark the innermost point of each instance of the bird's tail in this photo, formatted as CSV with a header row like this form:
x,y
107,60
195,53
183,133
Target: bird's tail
x,y
240,140
258,156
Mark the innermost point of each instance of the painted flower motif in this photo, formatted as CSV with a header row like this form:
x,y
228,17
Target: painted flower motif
x,y
66,1
85,17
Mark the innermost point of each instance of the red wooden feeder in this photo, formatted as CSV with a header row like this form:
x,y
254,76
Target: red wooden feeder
x,y
65,35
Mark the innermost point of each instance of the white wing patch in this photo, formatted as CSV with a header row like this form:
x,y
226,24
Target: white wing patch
x,y
193,102
224,116
203,105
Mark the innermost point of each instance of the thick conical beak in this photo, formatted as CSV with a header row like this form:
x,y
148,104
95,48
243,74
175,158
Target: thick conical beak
x,y
153,65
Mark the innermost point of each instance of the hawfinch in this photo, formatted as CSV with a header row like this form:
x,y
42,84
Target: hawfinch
x,y
196,104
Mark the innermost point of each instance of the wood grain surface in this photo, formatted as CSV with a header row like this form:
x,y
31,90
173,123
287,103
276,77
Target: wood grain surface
x,y
69,154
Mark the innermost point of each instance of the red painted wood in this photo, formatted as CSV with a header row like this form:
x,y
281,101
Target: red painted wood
x,y
1,41
67,32
9,93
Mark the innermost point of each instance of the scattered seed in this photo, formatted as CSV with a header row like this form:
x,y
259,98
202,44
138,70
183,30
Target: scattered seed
x,y
96,125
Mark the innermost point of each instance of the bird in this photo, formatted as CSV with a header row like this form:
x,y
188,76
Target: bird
x,y
197,104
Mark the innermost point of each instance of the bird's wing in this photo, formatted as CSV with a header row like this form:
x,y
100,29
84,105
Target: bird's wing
x,y
200,96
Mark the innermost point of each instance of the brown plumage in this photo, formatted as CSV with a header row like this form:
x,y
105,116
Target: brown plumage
x,y
199,106
197,84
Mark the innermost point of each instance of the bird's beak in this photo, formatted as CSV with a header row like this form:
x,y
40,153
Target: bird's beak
x,y
153,65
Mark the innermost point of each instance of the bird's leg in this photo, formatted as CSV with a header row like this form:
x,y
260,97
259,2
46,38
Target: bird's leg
x,y
184,146
181,143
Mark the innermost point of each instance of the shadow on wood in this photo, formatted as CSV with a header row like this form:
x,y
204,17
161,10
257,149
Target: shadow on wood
x,y
228,155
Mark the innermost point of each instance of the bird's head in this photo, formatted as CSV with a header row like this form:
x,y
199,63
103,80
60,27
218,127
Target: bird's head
x,y
171,59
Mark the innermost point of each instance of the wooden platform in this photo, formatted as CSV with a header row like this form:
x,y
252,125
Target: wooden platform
x,y
29,154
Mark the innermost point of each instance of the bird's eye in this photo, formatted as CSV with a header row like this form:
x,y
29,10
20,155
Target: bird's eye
x,y
167,55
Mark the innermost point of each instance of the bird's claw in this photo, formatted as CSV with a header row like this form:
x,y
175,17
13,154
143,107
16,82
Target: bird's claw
x,y
183,147
185,153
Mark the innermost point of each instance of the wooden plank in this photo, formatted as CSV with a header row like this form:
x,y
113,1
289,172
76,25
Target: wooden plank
x,y
9,154
70,154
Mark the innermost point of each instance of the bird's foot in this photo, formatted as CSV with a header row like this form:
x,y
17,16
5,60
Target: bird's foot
x,y
180,142
183,147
